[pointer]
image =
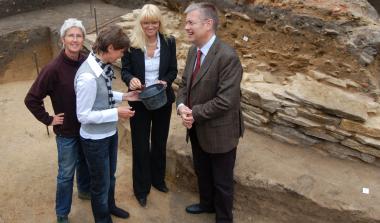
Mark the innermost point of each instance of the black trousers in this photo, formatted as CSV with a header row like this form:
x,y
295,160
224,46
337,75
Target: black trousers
x,y
215,179
149,131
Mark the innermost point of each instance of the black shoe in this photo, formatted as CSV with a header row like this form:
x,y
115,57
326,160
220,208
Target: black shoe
x,y
118,212
142,201
162,188
62,219
198,209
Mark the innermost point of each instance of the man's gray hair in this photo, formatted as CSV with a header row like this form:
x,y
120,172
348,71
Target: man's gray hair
x,y
70,23
207,10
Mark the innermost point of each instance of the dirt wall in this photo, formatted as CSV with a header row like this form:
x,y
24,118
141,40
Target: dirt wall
x,y
17,53
128,3
376,4
310,70
8,8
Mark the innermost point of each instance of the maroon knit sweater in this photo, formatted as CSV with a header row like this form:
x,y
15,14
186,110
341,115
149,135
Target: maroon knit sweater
x,y
57,81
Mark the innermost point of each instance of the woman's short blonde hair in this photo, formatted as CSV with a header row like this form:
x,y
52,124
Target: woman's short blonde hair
x,y
149,13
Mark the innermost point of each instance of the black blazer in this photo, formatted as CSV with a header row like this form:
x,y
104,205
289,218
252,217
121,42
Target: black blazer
x,y
133,65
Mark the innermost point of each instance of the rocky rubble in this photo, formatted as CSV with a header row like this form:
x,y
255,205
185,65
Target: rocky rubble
x,y
310,70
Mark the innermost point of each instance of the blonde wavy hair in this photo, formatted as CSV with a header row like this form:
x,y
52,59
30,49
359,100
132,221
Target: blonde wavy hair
x,y
149,13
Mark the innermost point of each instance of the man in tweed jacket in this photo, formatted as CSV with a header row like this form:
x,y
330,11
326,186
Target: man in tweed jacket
x,y
209,105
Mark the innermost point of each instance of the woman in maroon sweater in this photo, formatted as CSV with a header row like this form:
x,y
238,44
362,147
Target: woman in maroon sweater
x,y
57,81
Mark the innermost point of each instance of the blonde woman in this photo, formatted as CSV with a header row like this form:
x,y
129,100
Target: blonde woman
x,y
150,60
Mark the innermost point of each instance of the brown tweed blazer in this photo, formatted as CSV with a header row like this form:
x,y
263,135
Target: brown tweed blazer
x,y
215,97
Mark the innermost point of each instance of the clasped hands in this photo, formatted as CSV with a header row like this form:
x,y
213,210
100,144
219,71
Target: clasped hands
x,y
186,115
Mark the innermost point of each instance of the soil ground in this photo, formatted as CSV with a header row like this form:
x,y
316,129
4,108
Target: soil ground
x,y
28,160
28,168
53,17
28,157
28,164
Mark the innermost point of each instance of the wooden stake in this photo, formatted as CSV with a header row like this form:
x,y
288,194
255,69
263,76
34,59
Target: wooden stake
x,y
91,7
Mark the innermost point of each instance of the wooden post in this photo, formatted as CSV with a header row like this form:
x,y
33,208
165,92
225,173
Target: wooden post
x,y
91,6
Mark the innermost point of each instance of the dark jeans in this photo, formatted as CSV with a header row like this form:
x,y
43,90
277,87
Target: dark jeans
x,y
70,157
149,130
215,179
101,156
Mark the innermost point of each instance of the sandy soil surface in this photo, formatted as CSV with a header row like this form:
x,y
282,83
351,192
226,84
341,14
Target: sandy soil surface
x,y
53,17
28,159
28,164
28,168
28,156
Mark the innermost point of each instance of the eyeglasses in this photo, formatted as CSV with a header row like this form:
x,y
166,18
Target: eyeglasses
x,y
192,23
75,36
155,23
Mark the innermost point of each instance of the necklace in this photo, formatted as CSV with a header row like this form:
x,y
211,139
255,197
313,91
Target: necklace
x,y
152,44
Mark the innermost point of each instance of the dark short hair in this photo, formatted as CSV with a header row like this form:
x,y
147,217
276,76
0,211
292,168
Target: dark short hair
x,y
111,35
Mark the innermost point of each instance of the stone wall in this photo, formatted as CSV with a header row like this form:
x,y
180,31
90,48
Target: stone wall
x,y
307,112
311,70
